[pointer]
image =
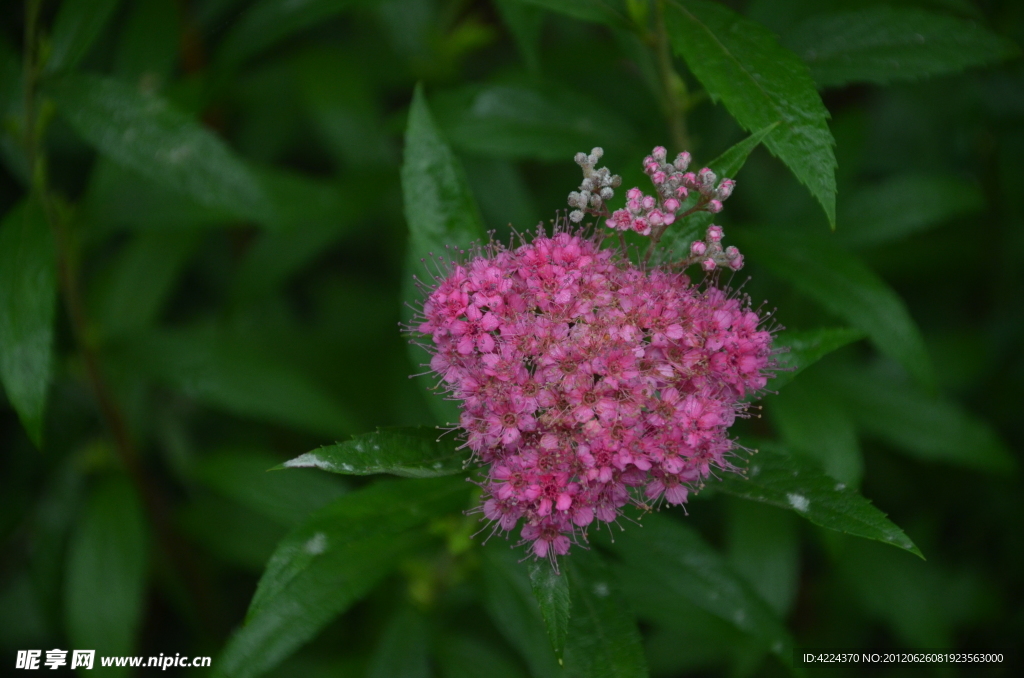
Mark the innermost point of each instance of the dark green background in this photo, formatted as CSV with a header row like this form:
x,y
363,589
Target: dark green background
x,y
243,309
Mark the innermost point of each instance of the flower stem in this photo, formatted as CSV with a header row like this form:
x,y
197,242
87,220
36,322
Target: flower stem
x,y
673,86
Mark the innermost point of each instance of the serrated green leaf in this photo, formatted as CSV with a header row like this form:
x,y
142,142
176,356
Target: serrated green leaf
x,y
144,133
106,572
329,562
844,285
781,479
806,348
608,12
267,22
665,559
740,63
731,161
408,452
78,24
904,205
551,588
514,121
229,373
886,44
603,640
677,239
440,211
241,474
513,608
28,303
930,428
439,207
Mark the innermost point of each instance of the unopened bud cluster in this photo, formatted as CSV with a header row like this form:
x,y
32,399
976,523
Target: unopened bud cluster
x,y
710,254
597,189
674,186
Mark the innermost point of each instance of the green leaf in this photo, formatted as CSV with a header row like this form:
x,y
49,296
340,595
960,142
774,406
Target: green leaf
x,y
740,63
78,24
331,561
106,571
466,657
28,301
267,22
525,22
441,214
144,133
886,44
603,639
230,373
148,49
677,240
807,348
813,421
509,599
551,589
241,474
730,162
403,650
231,533
439,206
666,560
408,452
781,479
764,548
608,12
929,427
844,285
905,205
513,121
129,295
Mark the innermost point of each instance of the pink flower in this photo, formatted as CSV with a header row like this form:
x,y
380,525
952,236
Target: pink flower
x,y
587,383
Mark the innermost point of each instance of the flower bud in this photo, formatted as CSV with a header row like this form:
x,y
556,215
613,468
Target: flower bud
x,y
724,189
737,263
714,206
576,216
659,153
715,233
607,193
697,248
658,178
682,161
672,204
708,264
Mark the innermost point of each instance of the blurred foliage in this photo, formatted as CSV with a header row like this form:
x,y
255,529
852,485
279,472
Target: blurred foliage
x,y
205,253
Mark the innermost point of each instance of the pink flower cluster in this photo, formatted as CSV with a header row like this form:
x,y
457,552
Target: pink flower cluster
x,y
588,383
673,184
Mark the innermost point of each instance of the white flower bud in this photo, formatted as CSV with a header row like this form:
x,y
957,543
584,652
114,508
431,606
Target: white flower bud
x,y
576,216
607,193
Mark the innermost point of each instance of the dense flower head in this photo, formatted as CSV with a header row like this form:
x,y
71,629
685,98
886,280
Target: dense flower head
x,y
588,383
